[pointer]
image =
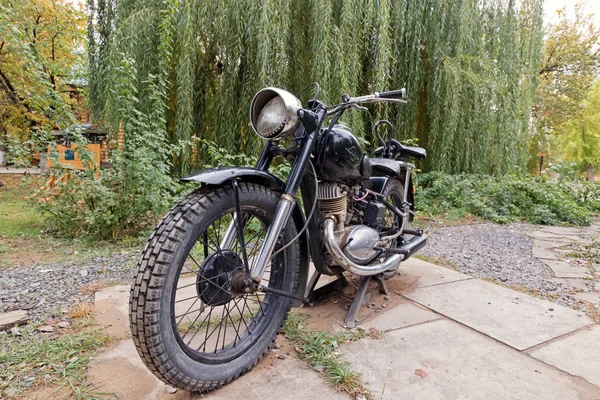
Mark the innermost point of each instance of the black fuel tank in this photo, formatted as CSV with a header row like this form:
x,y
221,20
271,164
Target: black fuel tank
x,y
341,156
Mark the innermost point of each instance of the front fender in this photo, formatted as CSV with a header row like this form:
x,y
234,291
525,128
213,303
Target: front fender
x,y
221,175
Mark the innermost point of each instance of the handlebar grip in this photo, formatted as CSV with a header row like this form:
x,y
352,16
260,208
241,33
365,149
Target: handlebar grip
x,y
393,94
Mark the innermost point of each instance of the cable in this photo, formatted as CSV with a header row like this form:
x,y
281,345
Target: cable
x,y
317,90
364,197
314,206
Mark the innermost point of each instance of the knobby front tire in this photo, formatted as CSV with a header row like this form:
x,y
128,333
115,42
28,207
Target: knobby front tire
x,y
187,329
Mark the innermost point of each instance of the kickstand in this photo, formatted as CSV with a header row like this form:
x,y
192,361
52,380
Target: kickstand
x,y
361,298
313,295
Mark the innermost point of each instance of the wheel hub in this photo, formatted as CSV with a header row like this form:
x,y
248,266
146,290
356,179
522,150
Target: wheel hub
x,y
213,284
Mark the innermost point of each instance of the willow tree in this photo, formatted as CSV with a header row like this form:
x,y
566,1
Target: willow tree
x,y
192,67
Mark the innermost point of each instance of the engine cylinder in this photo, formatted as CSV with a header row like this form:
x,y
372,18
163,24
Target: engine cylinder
x,y
333,201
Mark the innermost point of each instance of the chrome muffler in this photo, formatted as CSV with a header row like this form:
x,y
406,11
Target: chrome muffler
x,y
364,270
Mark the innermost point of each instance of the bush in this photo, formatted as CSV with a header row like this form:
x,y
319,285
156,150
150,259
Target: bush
x,y
116,202
127,198
539,200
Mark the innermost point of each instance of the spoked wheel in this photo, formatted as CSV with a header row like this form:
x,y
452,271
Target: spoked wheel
x,y
393,193
192,324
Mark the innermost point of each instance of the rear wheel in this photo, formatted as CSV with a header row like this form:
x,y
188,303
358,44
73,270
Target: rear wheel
x,y
394,194
190,327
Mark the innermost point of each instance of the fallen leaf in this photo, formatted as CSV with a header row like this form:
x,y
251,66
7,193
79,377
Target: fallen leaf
x,y
420,372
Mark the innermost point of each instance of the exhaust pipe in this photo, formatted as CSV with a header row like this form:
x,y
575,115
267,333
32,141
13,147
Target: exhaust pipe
x,y
349,265
415,244
409,248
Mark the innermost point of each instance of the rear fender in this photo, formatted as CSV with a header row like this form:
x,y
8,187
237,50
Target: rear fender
x,y
222,175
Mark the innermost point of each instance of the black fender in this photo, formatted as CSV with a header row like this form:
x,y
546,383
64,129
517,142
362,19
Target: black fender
x,y
221,175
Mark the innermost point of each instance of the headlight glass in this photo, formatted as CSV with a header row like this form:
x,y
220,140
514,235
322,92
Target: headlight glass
x,y
272,118
274,113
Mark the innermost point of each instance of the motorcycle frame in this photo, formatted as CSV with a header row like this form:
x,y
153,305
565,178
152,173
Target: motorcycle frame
x,y
311,242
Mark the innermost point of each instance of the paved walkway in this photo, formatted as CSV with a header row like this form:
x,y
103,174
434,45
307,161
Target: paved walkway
x,y
557,246
445,335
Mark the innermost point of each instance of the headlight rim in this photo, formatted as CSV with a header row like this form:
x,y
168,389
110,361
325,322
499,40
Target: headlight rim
x,y
292,105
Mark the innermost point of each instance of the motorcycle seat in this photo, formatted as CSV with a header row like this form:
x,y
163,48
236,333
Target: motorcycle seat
x,y
397,150
413,152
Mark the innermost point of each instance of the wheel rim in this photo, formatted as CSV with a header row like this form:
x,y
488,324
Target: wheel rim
x,y
212,325
392,221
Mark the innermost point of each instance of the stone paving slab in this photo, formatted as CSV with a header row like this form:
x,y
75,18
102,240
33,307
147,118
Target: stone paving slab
x,y
592,297
572,282
547,244
111,310
401,316
13,318
287,379
563,269
426,274
544,253
551,237
443,360
562,230
577,354
120,372
514,318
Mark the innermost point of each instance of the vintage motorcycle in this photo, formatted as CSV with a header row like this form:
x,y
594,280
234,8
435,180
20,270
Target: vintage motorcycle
x,y
217,278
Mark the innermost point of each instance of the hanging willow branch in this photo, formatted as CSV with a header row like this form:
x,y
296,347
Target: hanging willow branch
x,y
192,67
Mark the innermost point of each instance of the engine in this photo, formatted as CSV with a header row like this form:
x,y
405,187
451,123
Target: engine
x,y
333,200
357,241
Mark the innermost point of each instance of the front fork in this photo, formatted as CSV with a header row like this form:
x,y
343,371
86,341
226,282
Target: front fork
x,y
311,122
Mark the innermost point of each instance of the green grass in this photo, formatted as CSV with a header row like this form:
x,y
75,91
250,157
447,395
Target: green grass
x,y
321,350
23,239
58,361
17,217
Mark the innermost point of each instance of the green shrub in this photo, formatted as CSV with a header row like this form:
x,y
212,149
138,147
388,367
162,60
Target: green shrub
x,y
127,198
539,200
119,201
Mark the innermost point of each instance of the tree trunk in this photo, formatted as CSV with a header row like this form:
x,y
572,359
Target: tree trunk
x,y
590,172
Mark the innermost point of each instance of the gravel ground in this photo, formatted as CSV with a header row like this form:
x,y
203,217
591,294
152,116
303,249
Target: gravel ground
x,y
48,290
501,253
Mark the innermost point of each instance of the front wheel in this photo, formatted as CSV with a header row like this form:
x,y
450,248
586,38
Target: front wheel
x,y
190,328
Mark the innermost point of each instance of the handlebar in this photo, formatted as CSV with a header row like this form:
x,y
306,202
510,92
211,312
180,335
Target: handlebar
x,y
393,96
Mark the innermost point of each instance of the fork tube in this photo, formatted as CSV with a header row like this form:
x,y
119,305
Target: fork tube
x,y
282,215
229,235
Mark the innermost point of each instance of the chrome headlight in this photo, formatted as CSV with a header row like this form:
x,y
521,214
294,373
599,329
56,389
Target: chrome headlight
x,y
273,113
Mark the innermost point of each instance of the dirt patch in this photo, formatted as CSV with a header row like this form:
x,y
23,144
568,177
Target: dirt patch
x,y
330,312
50,392
26,251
